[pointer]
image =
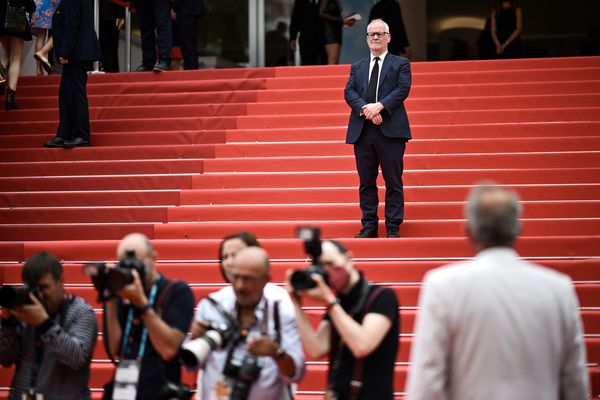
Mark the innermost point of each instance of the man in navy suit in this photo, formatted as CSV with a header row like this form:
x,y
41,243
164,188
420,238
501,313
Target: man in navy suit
x,y
76,46
378,128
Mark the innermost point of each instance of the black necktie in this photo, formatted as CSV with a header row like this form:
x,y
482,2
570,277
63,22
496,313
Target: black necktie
x,y
372,89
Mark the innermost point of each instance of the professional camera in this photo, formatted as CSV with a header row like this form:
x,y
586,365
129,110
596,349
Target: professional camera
x,y
193,353
110,280
301,278
11,297
175,391
243,373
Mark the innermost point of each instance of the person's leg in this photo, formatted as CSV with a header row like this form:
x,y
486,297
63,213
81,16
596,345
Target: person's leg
x,y
367,165
14,69
333,53
81,113
164,31
65,122
40,40
188,30
146,23
3,61
391,156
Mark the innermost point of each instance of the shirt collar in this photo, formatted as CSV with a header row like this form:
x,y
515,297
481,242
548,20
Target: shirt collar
x,y
381,57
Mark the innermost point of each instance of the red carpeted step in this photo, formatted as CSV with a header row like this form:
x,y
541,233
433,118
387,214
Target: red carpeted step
x,y
118,139
428,178
91,197
347,229
428,94
382,271
429,118
107,153
220,108
278,164
78,231
125,125
290,163
136,182
483,131
102,167
349,211
83,214
441,148
197,250
499,65
350,194
118,167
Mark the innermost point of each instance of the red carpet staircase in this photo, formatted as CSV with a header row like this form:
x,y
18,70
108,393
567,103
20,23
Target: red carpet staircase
x,y
188,157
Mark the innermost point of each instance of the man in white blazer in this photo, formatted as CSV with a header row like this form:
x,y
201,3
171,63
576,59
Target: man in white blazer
x,y
497,327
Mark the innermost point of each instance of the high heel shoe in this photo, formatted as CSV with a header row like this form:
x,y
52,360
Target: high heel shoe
x,y
3,74
10,101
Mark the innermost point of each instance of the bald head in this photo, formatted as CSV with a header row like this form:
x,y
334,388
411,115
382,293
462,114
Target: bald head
x,y
139,244
493,215
254,259
249,275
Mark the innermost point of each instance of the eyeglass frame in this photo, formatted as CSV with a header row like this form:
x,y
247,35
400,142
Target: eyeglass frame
x,y
372,35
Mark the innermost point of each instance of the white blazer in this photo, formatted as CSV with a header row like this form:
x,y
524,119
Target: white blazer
x,y
498,327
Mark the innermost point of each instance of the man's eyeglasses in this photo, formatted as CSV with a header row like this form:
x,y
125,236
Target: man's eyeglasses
x,y
378,34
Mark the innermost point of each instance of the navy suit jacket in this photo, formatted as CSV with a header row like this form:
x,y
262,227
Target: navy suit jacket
x,y
394,86
73,31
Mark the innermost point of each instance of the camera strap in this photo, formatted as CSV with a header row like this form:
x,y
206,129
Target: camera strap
x,y
144,338
39,347
357,313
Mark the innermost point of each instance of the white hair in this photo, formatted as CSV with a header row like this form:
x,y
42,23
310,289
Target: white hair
x,y
387,27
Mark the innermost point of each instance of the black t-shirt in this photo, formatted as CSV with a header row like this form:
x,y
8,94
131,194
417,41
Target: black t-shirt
x,y
378,367
177,312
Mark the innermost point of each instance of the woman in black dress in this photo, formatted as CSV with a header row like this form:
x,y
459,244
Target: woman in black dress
x,y
331,15
12,42
506,28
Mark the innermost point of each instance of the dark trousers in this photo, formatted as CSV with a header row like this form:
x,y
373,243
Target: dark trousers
x,y
154,19
73,103
188,40
372,150
109,44
312,53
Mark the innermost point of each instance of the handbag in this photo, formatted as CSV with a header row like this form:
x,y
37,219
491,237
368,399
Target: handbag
x,y
14,20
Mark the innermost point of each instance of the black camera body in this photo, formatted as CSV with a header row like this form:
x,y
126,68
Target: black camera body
x,y
301,278
11,296
243,374
175,391
218,335
108,281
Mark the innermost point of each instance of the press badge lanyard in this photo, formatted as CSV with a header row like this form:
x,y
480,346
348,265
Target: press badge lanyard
x,y
145,331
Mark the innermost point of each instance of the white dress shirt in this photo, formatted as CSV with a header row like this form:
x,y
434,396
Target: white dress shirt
x,y
371,65
270,383
498,327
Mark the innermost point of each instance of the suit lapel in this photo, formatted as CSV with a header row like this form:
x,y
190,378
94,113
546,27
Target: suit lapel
x,y
384,68
364,77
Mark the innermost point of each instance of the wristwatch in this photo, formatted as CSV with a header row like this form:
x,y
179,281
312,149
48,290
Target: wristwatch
x,y
142,310
280,353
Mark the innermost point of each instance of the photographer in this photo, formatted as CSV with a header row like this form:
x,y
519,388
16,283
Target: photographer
x,y
147,322
48,334
265,335
359,332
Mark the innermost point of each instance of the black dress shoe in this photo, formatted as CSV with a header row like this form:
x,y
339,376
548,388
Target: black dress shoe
x,y
56,142
77,142
143,68
392,233
367,233
161,66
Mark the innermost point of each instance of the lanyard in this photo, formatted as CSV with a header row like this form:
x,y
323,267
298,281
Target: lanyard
x,y
144,338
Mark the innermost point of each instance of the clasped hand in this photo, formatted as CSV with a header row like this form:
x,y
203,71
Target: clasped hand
x,y
372,112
